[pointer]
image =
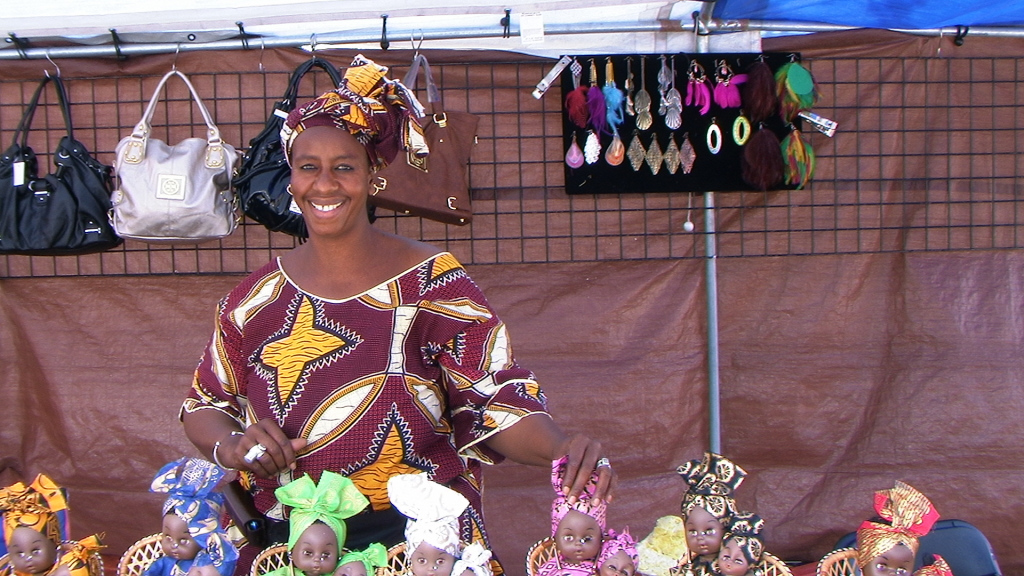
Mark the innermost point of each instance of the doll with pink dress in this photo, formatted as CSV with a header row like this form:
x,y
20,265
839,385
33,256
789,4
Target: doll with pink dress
x,y
576,527
619,556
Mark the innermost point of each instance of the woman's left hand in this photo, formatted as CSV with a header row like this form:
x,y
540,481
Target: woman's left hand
x,y
585,456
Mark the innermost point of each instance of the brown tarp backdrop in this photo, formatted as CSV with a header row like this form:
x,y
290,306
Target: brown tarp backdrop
x,y
870,326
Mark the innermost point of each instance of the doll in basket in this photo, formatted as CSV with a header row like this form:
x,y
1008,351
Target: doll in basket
x,y
193,540
938,567
577,528
887,544
33,534
316,522
363,562
742,547
619,556
432,542
707,507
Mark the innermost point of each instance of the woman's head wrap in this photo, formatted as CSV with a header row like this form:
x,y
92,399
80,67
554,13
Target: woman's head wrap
x,y
584,504
619,542
379,112
433,511
938,567
745,530
908,515
475,558
712,481
374,556
189,484
33,506
331,501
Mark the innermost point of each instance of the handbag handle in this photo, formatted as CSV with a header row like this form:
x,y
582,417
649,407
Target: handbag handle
x,y
287,102
135,150
433,93
26,119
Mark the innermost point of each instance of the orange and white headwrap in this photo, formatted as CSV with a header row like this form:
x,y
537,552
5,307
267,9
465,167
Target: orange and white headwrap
x,y
380,113
939,567
909,515
33,506
712,481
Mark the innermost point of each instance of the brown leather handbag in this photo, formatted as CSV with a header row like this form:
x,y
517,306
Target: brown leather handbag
x,y
436,187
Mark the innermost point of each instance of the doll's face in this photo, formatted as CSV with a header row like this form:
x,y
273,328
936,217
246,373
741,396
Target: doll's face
x,y
578,537
316,550
429,561
176,541
898,561
619,564
356,568
207,570
31,552
731,561
703,533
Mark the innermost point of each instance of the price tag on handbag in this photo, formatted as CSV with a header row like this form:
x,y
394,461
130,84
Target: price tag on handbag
x,y
18,173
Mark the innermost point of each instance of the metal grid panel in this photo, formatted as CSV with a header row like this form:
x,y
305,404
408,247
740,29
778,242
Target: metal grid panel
x,y
926,158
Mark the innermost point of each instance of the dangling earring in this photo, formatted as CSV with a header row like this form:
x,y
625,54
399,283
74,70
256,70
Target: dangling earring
x,y
379,185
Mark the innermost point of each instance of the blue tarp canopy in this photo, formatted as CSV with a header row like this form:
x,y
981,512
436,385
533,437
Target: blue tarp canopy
x,y
915,15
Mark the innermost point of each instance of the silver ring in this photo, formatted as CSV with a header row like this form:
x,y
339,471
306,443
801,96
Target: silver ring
x,y
254,453
603,463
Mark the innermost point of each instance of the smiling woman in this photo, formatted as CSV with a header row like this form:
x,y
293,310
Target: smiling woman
x,y
365,353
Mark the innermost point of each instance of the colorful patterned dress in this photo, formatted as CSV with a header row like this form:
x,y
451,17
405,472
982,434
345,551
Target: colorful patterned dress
x,y
411,375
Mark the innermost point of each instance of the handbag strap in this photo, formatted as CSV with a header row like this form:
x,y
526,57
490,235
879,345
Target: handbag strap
x,y
288,101
419,61
26,119
135,151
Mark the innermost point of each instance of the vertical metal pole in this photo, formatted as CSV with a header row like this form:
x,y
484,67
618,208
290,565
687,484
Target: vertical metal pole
x,y
711,287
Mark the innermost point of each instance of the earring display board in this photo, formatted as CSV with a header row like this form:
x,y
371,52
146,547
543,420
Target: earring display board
x,y
683,122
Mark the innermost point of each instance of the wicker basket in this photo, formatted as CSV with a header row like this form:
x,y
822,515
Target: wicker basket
x,y
140,555
277,557
539,554
842,562
774,567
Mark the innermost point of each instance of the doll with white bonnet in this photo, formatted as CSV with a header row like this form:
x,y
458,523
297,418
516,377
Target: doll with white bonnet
x,y
707,507
887,545
742,547
363,562
316,521
619,556
33,532
432,542
577,528
475,561
193,539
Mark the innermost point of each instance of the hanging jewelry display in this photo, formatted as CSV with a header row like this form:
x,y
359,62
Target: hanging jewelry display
x,y
727,85
630,110
576,101
595,103
687,155
643,99
799,159
654,156
698,93
741,130
615,115
759,97
592,148
761,164
671,155
714,137
636,152
664,80
795,88
673,104
574,157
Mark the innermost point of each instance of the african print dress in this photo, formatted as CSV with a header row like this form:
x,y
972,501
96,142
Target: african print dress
x,y
410,376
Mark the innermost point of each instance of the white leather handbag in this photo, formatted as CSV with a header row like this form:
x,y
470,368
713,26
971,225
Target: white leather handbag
x,y
174,194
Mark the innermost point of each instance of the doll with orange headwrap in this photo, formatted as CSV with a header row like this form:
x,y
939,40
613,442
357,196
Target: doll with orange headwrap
x,y
707,507
33,534
887,545
577,527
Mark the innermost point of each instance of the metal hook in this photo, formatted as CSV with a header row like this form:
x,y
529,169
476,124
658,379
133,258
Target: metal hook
x,y
384,42
312,42
19,43
117,44
51,62
961,33
506,24
263,47
174,64
416,45
245,37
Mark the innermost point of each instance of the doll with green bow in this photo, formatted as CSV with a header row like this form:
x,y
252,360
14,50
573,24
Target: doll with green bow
x,y
363,562
317,521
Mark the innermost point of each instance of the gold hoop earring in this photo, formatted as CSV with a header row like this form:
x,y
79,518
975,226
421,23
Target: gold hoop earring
x,y
379,185
289,189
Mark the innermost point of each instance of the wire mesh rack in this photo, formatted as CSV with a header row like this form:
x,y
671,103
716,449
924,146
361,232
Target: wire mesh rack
x,y
927,157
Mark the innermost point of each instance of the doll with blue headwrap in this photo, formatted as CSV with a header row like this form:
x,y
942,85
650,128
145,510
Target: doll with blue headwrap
x,y
193,540
316,522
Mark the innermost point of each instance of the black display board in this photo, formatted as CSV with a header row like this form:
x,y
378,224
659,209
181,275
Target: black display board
x,y
710,172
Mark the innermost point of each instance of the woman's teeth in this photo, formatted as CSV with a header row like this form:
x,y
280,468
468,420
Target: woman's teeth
x,y
325,207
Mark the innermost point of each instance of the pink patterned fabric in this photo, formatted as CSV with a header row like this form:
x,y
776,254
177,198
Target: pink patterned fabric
x,y
584,503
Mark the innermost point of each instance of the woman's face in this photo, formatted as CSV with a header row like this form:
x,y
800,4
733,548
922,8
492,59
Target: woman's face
x,y
578,537
176,541
619,564
898,561
731,561
330,179
429,561
31,552
703,533
316,550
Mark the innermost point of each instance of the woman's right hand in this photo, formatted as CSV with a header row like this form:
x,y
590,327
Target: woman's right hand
x,y
279,454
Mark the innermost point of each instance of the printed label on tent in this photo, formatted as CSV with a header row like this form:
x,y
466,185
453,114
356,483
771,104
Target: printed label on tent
x,y
171,187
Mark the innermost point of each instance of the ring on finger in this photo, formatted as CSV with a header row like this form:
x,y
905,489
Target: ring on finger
x,y
254,453
603,463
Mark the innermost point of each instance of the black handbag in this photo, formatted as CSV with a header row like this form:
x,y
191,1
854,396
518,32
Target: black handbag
x,y
62,213
262,180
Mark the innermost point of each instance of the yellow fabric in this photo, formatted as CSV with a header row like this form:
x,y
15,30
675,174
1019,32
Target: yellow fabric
x,y
33,506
